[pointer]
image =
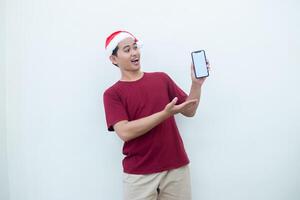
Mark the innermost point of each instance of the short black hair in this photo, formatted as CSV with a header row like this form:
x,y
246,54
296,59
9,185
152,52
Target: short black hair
x,y
115,53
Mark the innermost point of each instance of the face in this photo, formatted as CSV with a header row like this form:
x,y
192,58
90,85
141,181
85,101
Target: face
x,y
128,55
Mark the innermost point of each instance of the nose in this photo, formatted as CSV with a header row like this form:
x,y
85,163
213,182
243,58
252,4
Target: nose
x,y
134,51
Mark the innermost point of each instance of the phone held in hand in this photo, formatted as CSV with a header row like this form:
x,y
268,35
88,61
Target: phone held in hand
x,y
200,64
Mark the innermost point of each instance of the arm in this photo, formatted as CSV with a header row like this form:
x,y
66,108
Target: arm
x,y
195,93
128,130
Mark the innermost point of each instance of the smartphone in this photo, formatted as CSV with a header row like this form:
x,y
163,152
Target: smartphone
x,y
200,64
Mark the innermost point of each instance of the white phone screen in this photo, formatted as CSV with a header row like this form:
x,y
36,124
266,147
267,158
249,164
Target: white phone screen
x,y
199,61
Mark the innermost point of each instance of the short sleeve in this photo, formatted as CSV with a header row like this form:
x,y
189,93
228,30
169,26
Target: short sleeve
x,y
114,109
175,91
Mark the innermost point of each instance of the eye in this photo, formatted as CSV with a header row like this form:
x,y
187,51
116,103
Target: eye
x,y
126,50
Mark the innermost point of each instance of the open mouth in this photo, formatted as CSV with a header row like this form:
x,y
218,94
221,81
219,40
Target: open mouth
x,y
135,61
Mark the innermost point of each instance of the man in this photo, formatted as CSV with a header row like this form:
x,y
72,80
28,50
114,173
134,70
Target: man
x,y
140,108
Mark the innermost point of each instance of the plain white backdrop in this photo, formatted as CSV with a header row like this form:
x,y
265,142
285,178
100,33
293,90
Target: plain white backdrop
x,y
243,143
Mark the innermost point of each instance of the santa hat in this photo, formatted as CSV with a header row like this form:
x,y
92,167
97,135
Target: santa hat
x,y
113,40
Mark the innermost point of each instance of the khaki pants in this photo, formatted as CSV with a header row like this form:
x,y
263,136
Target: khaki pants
x,y
174,184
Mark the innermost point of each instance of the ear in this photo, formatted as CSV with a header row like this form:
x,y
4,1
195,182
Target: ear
x,y
113,59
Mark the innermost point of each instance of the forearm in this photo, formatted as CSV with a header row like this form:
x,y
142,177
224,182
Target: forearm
x,y
139,127
195,93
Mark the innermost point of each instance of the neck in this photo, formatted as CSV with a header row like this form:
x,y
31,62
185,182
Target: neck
x,y
131,75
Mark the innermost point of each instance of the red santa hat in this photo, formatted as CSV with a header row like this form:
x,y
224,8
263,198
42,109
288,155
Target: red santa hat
x,y
113,40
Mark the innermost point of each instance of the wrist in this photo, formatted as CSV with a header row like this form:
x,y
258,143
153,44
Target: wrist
x,y
196,85
165,114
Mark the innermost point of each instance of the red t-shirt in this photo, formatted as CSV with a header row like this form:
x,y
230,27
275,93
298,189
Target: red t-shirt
x,y
162,147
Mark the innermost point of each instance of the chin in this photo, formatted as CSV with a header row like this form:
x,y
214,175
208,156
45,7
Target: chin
x,y
136,67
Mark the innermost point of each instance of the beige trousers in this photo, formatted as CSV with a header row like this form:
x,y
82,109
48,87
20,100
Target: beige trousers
x,y
174,184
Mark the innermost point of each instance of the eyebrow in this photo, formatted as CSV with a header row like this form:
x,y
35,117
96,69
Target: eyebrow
x,y
128,45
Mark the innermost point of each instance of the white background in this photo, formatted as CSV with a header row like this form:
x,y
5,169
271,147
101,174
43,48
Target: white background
x,y
243,143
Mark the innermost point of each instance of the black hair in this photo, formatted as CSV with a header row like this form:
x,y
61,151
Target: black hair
x,y
115,53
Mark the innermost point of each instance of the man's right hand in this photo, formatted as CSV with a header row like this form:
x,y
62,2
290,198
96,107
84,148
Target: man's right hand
x,y
172,109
